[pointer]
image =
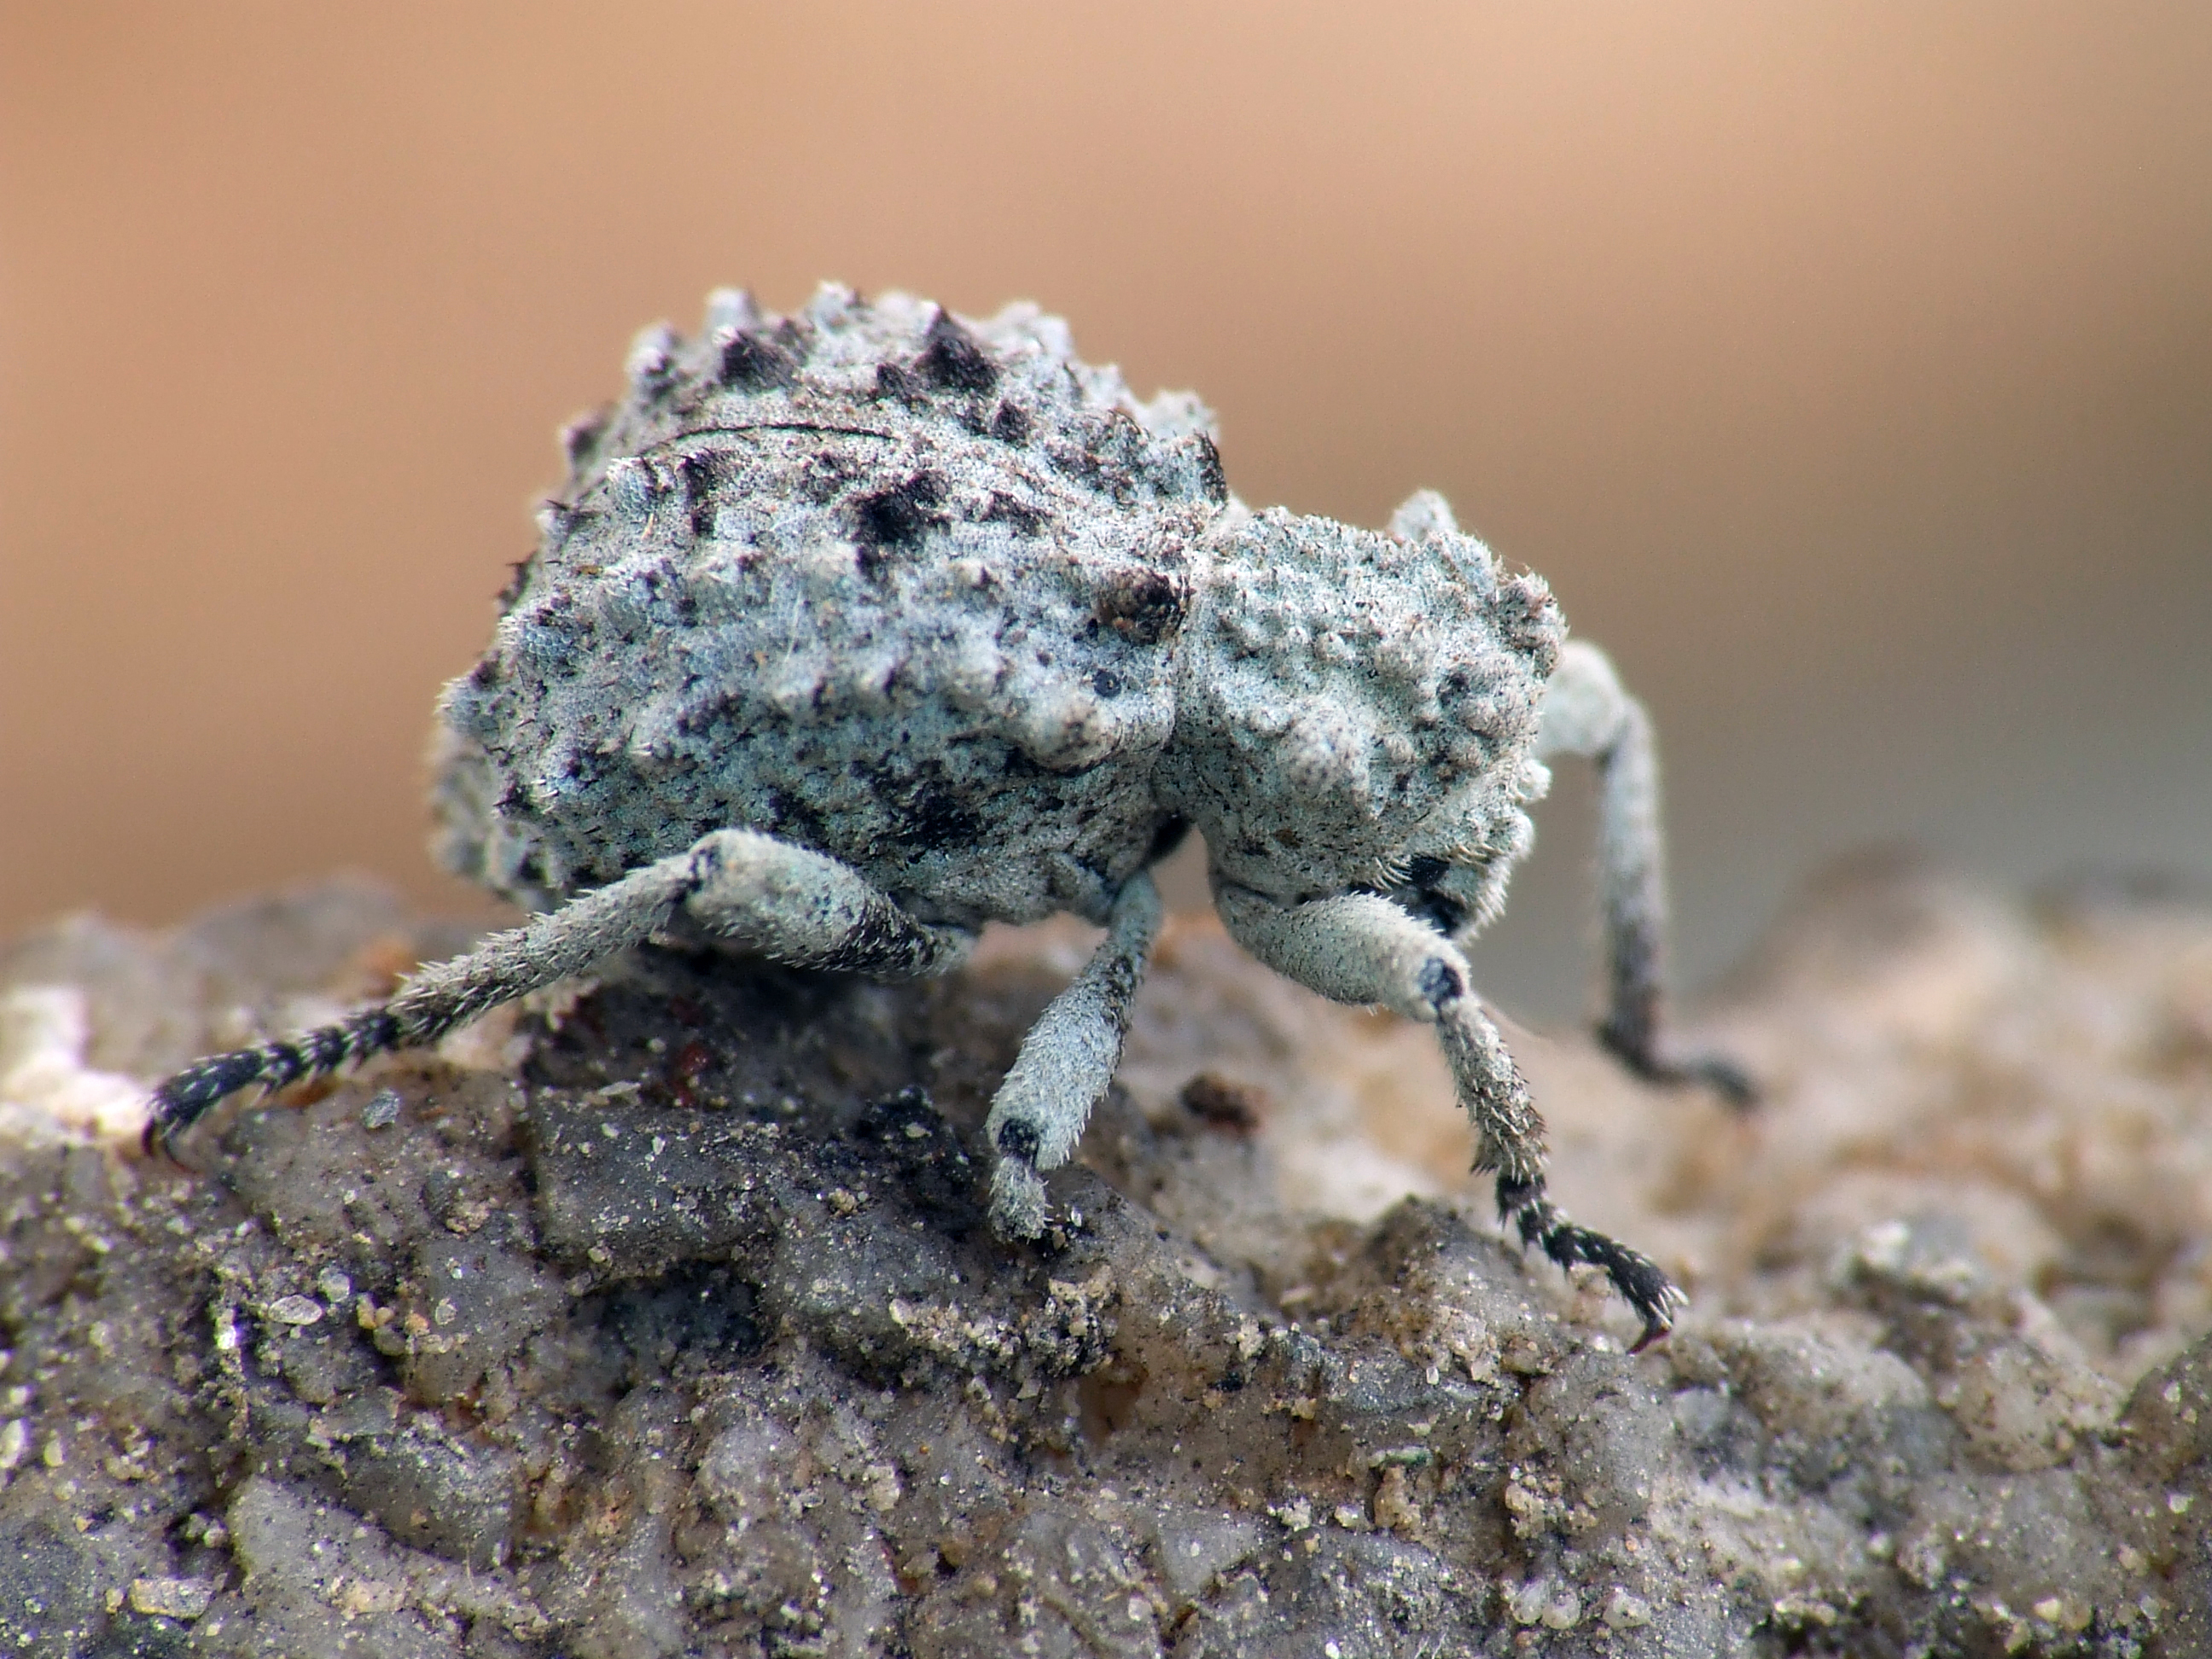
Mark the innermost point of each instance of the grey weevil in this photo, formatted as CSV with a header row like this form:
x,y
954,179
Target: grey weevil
x,y
857,629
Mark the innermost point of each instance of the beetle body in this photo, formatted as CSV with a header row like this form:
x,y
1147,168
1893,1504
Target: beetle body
x,y
947,605
856,629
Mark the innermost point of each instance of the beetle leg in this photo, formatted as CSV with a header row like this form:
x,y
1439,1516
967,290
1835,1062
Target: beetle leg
x,y
775,899
1066,1062
1587,712
805,909
1364,948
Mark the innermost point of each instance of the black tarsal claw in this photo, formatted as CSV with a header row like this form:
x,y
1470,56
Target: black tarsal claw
x,y
1728,1079
1654,1295
1722,1075
1635,1278
184,1099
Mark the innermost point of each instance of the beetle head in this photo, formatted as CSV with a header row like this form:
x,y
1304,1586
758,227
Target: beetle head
x,y
1348,701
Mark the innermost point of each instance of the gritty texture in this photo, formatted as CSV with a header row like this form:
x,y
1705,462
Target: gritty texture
x,y
900,593
661,1317
939,600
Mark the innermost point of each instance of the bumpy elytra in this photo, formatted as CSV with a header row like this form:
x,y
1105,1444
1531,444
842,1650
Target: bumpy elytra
x,y
856,629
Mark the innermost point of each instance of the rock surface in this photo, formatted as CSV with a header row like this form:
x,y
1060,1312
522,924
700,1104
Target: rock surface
x,y
659,1317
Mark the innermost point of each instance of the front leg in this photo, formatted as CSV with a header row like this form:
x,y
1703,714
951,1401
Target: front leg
x,y
762,895
1067,1063
1363,948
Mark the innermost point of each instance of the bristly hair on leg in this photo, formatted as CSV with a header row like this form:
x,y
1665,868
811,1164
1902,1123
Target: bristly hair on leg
x,y
438,998
781,901
182,1100
1642,1283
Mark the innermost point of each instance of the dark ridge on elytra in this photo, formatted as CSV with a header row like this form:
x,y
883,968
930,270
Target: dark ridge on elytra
x,y
896,517
699,474
953,362
758,364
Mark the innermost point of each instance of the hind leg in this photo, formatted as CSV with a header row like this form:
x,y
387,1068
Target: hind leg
x,y
1587,712
765,895
1363,948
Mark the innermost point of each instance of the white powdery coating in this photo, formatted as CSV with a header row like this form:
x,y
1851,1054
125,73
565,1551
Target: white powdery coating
x,y
932,596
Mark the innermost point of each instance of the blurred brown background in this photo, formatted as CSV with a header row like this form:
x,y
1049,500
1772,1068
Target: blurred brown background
x,y
1847,370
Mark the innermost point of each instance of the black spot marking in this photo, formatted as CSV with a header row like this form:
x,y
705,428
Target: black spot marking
x,y
1010,424
951,361
1440,910
1106,682
935,821
884,940
1019,1139
758,364
898,517
1425,871
699,476
1144,606
1441,983
933,815
829,474
794,338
